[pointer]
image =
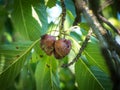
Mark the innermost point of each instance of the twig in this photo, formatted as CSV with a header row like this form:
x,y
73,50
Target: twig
x,y
63,14
78,14
109,24
105,4
80,51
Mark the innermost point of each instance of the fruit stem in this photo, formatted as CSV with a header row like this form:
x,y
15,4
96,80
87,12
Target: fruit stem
x,y
63,14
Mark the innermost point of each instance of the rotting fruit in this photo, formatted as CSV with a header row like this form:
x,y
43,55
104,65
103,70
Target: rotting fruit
x,y
47,44
62,48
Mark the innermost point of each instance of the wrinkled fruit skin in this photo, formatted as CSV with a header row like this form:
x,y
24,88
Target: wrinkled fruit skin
x,y
62,48
47,44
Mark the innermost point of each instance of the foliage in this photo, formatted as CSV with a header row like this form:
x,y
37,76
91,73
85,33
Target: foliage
x,y
24,66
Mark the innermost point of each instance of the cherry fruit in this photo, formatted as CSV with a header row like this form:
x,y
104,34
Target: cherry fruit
x,y
47,44
62,48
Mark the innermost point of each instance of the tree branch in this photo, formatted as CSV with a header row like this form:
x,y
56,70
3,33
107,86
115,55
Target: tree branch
x,y
106,47
109,24
78,14
81,50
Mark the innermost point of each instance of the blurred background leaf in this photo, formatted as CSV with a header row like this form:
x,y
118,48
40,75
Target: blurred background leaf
x,y
46,74
12,60
51,3
26,20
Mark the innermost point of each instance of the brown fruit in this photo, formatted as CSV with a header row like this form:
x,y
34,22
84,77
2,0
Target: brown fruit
x,y
62,48
47,43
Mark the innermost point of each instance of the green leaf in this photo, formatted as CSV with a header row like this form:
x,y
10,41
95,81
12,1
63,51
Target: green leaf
x,y
67,79
76,36
103,78
94,56
3,16
26,79
46,74
69,20
40,9
92,73
85,78
85,26
23,20
70,6
25,17
13,57
51,3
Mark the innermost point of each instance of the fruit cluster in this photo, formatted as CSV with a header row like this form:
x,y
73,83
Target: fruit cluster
x,y
60,48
